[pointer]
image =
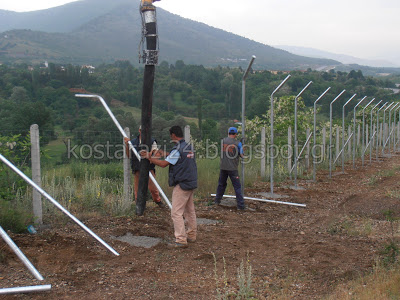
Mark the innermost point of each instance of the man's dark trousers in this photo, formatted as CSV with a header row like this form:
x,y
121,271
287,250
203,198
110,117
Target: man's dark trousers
x,y
234,176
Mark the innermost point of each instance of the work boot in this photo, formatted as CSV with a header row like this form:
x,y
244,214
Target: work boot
x,y
160,204
177,245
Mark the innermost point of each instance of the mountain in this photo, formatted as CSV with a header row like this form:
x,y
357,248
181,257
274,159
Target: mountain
x,y
103,31
344,59
63,19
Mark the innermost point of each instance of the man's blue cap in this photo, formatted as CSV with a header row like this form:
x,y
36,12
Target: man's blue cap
x,y
232,130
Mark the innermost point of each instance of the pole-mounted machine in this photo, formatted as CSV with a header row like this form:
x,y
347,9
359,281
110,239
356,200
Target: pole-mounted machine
x,y
149,56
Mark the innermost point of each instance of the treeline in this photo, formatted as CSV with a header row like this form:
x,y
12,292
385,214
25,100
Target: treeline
x,y
42,95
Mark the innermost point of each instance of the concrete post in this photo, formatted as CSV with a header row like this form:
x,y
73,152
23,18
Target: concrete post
x,y
349,143
35,157
186,135
290,153
127,200
337,142
307,156
323,143
263,157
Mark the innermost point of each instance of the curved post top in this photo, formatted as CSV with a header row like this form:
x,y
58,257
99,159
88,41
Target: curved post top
x,y
308,84
282,83
323,94
359,102
351,98
382,106
394,106
107,109
337,97
248,67
388,107
376,105
368,104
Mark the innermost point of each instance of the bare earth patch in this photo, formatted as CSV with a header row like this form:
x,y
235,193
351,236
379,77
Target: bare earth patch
x,y
299,252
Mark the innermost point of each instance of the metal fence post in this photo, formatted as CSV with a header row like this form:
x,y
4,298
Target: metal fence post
x,y
244,114
296,143
363,132
315,133
385,128
343,128
354,131
330,132
378,130
272,134
371,135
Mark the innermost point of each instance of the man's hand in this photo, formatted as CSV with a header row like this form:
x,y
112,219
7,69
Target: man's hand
x,y
126,140
145,154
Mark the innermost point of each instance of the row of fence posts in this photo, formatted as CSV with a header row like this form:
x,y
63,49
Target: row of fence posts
x,y
36,173
385,139
364,140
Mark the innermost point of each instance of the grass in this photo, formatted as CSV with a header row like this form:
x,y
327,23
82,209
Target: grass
x,y
224,287
352,226
54,151
381,175
382,283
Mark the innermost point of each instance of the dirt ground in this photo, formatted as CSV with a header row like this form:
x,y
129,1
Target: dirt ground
x,y
303,253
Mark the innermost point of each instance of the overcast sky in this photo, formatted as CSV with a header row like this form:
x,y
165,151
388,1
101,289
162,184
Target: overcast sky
x,y
361,28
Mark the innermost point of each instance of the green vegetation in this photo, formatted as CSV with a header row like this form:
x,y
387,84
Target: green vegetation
x,y
383,281
208,99
225,289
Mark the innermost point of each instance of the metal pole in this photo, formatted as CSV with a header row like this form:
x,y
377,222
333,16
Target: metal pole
x,y
150,60
390,122
383,127
59,206
129,142
315,131
272,134
377,129
25,289
21,255
354,132
370,143
363,137
302,150
330,132
263,200
296,143
343,129
342,150
244,114
394,121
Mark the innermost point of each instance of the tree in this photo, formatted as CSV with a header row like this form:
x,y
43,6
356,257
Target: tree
x,y
19,95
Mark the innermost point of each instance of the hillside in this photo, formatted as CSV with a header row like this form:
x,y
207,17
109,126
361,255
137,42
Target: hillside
x,y
100,32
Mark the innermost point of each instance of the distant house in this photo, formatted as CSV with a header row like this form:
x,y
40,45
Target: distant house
x,y
89,68
275,72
